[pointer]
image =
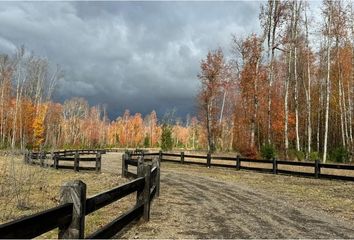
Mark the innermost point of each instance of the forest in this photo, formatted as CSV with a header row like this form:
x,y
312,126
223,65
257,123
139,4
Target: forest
x,y
287,90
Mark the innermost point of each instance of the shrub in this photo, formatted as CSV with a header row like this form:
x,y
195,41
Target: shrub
x,y
314,156
248,152
146,142
298,155
339,155
268,151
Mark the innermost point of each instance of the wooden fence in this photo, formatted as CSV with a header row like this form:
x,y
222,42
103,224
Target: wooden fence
x,y
75,156
274,166
69,217
72,156
136,159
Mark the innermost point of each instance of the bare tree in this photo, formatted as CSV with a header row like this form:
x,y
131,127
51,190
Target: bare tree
x,y
308,89
328,22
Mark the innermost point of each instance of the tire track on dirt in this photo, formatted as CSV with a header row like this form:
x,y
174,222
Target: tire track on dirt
x,y
269,215
192,206
195,206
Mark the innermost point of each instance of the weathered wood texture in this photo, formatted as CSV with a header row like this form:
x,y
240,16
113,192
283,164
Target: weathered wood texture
x,y
75,193
143,195
70,216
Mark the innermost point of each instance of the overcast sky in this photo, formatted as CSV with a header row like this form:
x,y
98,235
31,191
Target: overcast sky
x,y
141,56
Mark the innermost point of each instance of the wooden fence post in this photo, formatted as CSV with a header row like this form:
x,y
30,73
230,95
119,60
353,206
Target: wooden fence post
x,y
159,175
25,156
238,163
124,170
30,157
153,164
98,162
143,196
140,162
76,162
275,166
160,156
157,178
64,152
74,192
51,158
41,158
208,159
56,161
182,157
317,168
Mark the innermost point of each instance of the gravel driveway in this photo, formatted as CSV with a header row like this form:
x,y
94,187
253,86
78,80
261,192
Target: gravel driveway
x,y
195,203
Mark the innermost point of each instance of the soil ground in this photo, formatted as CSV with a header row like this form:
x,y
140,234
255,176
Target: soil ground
x,y
196,202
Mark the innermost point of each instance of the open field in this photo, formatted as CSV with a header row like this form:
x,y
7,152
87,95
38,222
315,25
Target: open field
x,y
29,189
195,202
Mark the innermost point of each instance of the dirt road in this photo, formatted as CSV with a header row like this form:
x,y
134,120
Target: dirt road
x,y
193,205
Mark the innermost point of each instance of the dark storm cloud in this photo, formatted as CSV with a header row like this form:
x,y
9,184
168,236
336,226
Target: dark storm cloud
x,y
128,55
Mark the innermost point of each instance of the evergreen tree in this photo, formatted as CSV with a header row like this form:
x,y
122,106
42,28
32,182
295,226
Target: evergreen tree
x,y
166,138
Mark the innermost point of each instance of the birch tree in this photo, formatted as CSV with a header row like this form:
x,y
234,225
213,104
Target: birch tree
x,y
327,12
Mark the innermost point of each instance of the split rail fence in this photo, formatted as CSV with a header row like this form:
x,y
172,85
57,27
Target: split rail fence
x,y
69,217
53,159
308,169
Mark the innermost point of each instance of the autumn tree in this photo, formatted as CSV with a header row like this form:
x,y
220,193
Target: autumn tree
x,y
250,52
272,14
39,127
211,76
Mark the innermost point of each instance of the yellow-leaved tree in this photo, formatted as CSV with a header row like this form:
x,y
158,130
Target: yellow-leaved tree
x,y
38,126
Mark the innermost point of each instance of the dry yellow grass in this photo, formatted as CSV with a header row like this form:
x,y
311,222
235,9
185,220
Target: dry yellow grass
x,y
26,189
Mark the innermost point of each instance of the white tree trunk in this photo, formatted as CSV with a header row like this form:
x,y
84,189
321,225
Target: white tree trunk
x,y
328,88
286,111
340,93
308,91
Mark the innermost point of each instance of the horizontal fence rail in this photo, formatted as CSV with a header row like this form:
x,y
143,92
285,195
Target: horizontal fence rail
x,y
53,160
69,217
274,166
37,224
103,199
212,160
118,224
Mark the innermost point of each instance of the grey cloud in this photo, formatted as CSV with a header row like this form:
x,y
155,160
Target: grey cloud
x,y
136,55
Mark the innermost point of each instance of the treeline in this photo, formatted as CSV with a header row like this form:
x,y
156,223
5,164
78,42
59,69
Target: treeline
x,y
29,119
289,88
26,85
